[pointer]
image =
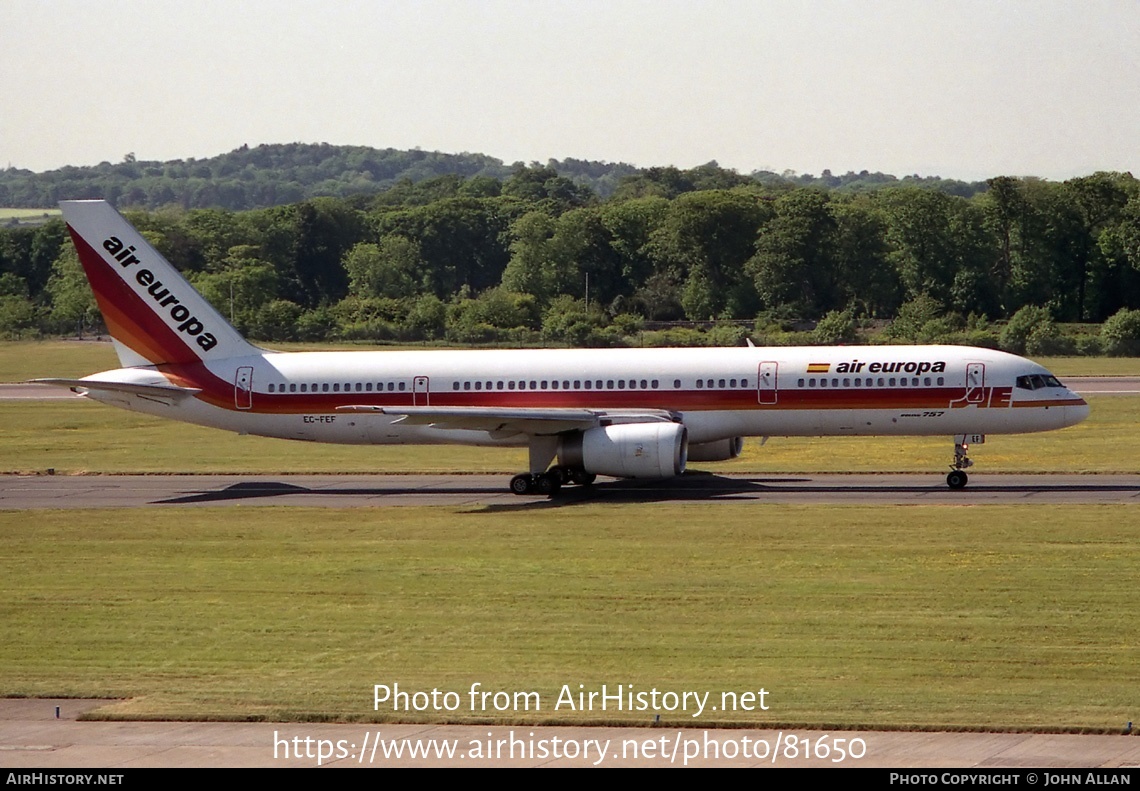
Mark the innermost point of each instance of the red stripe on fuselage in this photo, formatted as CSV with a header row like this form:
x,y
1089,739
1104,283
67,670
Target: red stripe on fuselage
x,y
1055,402
220,393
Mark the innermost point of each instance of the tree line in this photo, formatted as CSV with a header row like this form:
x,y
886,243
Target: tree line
x,y
277,174
539,257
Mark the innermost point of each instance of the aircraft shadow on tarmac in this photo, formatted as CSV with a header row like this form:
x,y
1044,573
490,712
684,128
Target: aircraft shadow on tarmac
x,y
689,487
694,488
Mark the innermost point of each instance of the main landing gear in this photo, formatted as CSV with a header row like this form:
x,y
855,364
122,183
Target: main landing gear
x,y
549,482
957,479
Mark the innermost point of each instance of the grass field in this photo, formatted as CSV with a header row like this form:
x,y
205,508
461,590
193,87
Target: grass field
x,y
934,617
26,217
22,214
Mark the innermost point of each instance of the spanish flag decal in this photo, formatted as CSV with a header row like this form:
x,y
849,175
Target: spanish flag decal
x,y
818,368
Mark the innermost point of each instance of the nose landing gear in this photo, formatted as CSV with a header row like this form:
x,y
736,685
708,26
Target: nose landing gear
x,y
957,479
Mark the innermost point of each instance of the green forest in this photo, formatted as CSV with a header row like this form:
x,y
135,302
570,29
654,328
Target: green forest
x,y
463,250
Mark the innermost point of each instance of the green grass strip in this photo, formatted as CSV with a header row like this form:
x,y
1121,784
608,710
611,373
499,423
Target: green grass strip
x,y
931,617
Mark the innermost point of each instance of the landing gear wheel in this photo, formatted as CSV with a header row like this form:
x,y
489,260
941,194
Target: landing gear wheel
x,y
547,483
584,478
522,484
957,479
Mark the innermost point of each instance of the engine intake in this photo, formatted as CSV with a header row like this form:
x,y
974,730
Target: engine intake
x,y
628,450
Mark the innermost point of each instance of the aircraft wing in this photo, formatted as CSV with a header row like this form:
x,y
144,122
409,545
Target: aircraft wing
x,y
521,420
131,388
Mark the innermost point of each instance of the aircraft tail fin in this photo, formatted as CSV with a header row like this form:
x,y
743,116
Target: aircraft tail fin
x,y
152,313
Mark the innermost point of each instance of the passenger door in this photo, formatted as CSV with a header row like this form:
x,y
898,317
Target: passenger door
x,y
766,383
975,383
420,393
243,387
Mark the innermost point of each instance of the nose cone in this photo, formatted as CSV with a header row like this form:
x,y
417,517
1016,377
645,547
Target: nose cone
x,y
1076,410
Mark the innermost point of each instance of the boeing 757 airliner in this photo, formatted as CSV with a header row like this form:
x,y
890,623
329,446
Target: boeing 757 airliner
x,y
628,413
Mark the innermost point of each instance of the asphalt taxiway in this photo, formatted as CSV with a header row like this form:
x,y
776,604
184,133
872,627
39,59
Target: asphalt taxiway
x,y
31,736
351,491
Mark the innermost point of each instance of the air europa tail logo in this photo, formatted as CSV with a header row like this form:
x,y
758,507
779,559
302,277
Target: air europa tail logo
x,y
184,320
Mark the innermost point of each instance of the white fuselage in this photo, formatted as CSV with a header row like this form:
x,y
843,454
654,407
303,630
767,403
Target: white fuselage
x,y
717,393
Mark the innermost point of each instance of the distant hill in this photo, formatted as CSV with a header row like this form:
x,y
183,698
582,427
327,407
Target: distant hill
x,y
275,174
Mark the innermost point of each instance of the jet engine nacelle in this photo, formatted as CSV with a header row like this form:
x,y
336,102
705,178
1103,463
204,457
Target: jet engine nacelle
x,y
628,450
721,450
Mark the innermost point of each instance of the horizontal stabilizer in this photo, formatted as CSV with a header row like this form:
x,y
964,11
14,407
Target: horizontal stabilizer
x,y
153,391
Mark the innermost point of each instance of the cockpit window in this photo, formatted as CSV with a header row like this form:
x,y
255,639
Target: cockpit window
x,y
1038,381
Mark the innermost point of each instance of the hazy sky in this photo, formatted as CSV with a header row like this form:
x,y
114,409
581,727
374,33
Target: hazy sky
x,y
958,89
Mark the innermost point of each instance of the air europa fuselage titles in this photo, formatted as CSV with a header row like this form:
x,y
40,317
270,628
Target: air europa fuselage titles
x,y
855,366
186,323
